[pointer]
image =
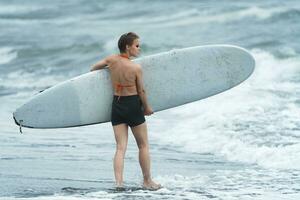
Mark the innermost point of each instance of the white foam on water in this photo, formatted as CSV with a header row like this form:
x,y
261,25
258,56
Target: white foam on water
x,y
55,197
7,54
165,18
260,13
254,123
20,79
223,184
17,9
236,184
202,16
111,45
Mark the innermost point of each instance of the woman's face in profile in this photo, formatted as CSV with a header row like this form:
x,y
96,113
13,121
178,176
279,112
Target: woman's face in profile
x,y
134,49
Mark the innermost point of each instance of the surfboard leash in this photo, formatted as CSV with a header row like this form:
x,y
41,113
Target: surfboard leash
x,y
20,126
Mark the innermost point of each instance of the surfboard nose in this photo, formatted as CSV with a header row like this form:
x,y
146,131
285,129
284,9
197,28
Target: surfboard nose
x,y
16,121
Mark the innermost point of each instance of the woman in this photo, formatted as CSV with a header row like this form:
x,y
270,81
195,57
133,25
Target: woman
x,y
129,98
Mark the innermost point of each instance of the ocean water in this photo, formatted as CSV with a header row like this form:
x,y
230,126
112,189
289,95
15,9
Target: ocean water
x,y
241,144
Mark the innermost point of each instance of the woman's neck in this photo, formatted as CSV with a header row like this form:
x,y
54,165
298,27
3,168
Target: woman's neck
x,y
124,55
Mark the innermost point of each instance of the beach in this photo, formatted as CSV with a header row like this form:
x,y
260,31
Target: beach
x,y
241,144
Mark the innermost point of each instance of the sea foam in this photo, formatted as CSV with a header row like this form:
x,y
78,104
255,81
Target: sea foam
x,y
7,54
253,123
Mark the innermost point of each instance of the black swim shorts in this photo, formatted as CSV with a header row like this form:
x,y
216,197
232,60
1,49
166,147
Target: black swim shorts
x,y
128,110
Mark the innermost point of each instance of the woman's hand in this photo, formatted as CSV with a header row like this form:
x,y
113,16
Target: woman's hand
x,y
91,68
148,111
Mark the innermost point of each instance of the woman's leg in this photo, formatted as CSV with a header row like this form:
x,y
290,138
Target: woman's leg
x,y
121,136
141,137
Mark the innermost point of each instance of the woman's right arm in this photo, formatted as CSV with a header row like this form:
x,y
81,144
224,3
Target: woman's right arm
x,y
100,64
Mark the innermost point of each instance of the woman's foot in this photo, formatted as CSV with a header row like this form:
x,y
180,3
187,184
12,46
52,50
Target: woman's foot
x,y
151,185
120,188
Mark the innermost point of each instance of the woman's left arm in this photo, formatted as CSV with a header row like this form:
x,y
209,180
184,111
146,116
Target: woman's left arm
x,y
100,65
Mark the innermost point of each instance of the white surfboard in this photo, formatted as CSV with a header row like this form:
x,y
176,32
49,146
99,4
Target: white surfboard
x,y
171,79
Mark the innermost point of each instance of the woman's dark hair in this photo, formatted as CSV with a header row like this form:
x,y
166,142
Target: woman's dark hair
x,y
126,39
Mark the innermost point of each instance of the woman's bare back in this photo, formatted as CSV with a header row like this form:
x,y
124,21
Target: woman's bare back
x,y
123,75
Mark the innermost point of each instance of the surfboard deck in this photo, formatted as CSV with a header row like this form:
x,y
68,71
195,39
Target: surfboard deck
x,y
171,79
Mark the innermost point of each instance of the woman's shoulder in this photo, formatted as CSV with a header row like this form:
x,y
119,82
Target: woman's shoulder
x,y
135,65
111,58
137,68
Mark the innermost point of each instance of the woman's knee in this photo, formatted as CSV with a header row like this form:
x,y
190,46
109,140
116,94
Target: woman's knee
x,y
143,145
121,149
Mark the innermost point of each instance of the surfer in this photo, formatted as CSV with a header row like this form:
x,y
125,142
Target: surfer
x,y
129,106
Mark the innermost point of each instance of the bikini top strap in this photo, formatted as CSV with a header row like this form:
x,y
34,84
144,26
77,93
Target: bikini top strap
x,y
119,88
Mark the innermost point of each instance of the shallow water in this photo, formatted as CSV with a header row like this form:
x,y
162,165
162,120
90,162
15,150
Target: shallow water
x,y
241,144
